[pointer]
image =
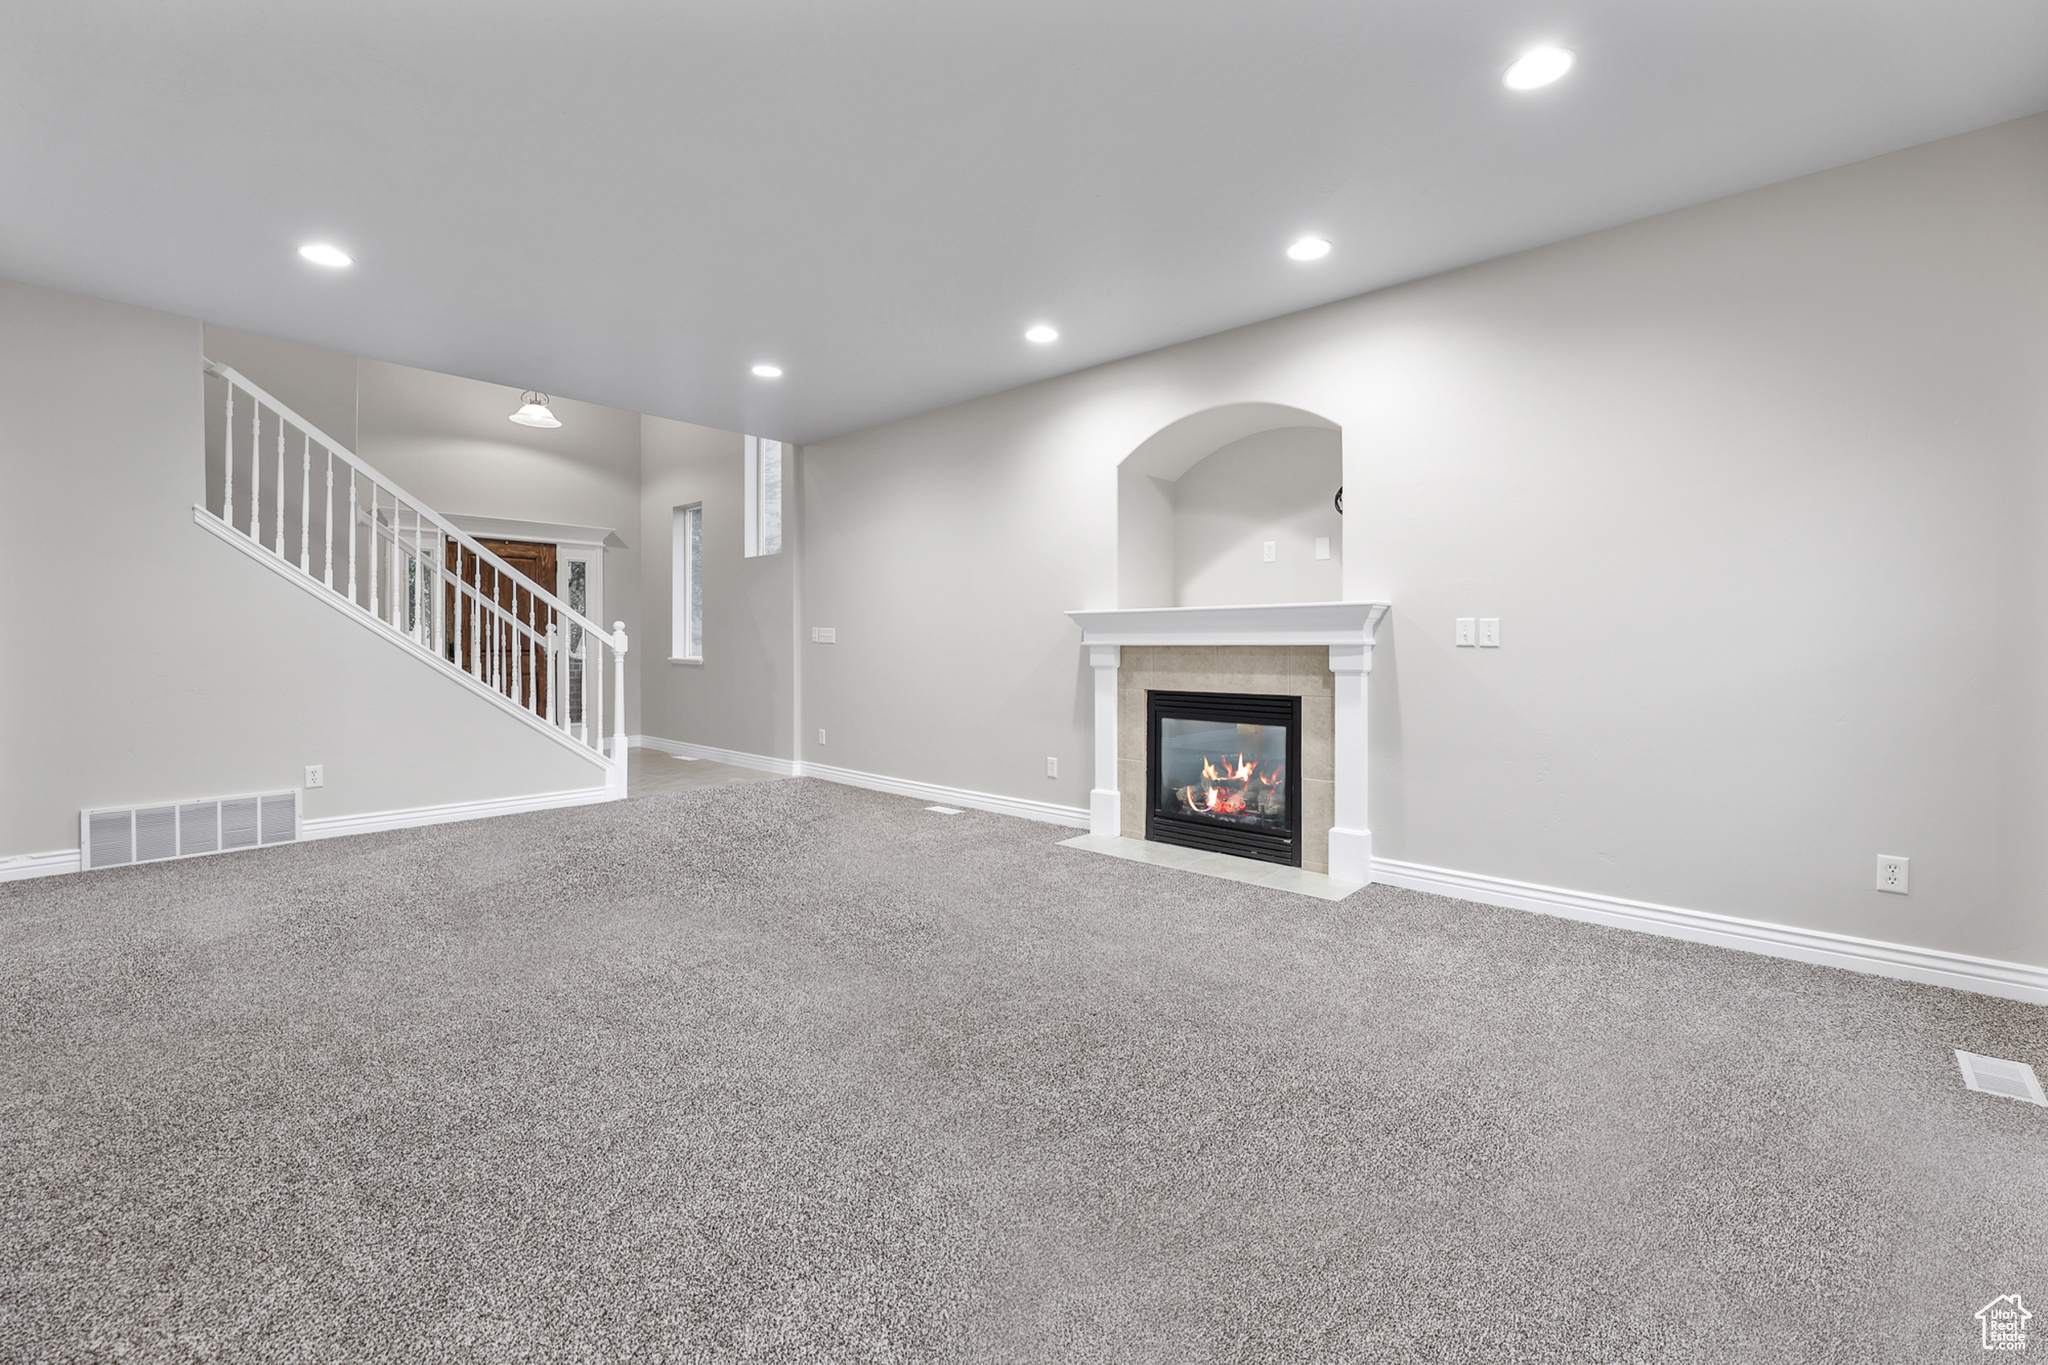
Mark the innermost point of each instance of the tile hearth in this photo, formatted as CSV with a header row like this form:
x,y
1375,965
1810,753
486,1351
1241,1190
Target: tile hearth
x,y
1221,865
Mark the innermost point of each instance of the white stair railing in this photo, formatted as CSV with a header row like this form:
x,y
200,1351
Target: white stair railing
x,y
299,497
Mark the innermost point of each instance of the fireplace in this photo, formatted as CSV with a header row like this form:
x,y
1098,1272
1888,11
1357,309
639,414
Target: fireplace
x,y
1223,773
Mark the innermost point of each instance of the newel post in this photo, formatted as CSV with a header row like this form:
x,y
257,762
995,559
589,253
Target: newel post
x,y
1105,810
617,780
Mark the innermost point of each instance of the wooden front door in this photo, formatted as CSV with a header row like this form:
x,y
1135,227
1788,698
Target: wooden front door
x,y
511,661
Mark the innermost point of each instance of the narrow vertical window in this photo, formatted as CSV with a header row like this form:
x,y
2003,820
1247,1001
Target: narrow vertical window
x,y
764,497
687,628
579,602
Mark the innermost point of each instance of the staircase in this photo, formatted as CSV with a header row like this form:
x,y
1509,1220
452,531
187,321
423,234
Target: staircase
x,y
294,498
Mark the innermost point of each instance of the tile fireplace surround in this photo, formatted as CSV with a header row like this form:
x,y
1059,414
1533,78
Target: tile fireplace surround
x,y
1318,651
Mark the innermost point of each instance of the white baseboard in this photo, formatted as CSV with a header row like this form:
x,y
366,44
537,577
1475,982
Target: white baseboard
x,y
20,865
676,748
335,826
1934,967
1074,817
1987,976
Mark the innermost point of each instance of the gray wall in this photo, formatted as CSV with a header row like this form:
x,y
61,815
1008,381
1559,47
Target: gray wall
x,y
1754,487
148,661
1277,486
742,696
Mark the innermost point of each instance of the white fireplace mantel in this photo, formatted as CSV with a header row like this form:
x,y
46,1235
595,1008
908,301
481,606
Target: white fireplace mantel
x,y
1345,627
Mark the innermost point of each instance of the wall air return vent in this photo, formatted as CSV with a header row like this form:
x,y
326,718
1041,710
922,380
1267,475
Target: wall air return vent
x,y
1993,1076
152,834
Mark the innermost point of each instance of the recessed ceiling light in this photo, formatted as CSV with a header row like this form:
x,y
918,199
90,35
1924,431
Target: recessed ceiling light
x,y
1042,334
768,371
1537,67
1308,249
319,253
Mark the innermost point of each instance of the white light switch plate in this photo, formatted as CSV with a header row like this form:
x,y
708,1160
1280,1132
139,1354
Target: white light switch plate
x,y
1052,767
1468,631
824,635
1489,632
1322,547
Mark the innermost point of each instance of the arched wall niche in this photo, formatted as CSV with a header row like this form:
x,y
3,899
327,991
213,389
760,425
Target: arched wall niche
x,y
1197,500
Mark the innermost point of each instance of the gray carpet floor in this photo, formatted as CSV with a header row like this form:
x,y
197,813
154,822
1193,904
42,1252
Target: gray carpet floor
x,y
786,1071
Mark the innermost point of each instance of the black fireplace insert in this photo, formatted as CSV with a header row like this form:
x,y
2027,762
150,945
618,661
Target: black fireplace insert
x,y
1223,773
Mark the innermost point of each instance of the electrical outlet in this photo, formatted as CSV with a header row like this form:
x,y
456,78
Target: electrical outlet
x,y
1468,631
316,775
821,734
1322,547
1052,767
1891,874
1489,632
824,635
1272,550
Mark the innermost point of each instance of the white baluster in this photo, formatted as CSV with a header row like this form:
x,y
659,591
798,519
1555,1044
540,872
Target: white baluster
x,y
376,547
351,533
306,507
619,694
327,519
554,684
227,502
256,471
440,596
416,584
280,487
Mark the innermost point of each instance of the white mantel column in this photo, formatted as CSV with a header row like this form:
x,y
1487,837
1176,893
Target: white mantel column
x,y
1105,814
1350,837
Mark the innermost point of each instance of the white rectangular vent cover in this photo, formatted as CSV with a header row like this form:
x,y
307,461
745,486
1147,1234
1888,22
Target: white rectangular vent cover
x,y
151,834
1995,1076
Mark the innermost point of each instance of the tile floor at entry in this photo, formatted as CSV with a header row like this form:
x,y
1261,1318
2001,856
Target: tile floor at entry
x,y
650,770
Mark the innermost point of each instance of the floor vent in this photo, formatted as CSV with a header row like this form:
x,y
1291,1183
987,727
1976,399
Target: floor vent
x,y
186,829
1994,1076
945,810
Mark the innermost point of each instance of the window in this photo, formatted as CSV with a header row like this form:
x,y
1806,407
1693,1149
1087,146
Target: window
x,y
764,497
579,602
687,630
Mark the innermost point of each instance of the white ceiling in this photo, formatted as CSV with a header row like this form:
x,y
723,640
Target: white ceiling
x,y
633,202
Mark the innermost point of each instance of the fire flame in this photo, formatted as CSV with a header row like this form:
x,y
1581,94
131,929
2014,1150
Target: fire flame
x,y
1227,790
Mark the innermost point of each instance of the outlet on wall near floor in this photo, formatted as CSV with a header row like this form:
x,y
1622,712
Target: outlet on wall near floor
x,y
1052,767
824,635
1272,551
1322,547
316,775
1468,631
821,734
1891,874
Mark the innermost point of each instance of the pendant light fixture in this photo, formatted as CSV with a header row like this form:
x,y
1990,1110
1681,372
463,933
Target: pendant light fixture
x,y
535,412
